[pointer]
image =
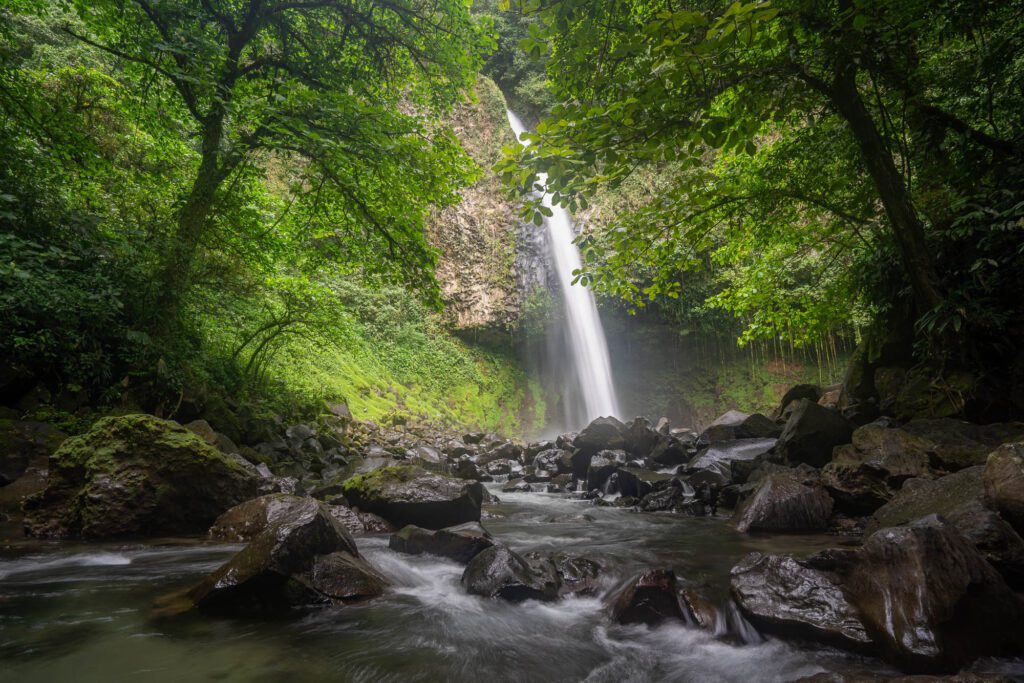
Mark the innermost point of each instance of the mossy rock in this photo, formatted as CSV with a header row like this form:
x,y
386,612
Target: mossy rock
x,y
406,494
137,475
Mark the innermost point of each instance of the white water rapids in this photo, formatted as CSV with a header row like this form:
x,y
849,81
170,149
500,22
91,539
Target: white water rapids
x,y
589,349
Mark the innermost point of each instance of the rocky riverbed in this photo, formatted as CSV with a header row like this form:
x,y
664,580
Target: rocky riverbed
x,y
763,548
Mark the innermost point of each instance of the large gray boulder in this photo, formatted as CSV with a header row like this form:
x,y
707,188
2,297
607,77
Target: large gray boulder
x,y
406,494
717,460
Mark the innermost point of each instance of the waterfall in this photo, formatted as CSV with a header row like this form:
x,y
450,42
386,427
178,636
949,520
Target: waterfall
x,y
591,373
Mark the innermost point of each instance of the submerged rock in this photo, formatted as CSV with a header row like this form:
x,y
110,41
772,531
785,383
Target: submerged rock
x,y
303,557
409,495
782,503
578,575
137,475
498,572
781,595
648,598
460,543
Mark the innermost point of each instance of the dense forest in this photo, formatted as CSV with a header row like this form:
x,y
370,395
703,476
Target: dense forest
x,y
726,348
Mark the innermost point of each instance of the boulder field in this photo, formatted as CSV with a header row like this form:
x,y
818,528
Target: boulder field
x,y
928,516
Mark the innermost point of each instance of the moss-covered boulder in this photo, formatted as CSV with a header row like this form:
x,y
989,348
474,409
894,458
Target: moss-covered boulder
x,y
137,475
405,494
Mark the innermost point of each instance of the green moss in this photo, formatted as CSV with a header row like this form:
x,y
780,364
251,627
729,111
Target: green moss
x,y
381,478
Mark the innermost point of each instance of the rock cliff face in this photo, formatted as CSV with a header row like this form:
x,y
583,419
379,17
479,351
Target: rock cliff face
x,y
489,261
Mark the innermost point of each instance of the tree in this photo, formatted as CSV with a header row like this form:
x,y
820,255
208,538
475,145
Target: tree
x,y
346,87
647,84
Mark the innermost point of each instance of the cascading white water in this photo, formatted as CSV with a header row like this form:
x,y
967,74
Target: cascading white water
x,y
589,349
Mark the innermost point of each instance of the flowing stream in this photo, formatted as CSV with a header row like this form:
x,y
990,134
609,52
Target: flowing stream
x,y
83,612
593,390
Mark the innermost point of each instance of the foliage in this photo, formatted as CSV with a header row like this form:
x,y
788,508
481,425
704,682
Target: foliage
x,y
522,79
821,157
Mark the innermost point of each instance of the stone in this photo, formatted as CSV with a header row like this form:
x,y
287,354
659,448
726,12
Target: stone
x,y
459,543
809,391
811,432
23,442
782,503
243,522
670,451
636,482
719,458
498,572
604,433
640,437
956,444
865,474
137,475
958,498
931,601
783,596
602,466
302,558
554,460
1003,480
577,575
406,494
648,598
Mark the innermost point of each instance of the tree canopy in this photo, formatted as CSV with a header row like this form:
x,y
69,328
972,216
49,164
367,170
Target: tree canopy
x,y
807,147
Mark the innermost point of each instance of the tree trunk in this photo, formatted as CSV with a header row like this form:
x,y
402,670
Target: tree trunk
x,y
178,263
892,190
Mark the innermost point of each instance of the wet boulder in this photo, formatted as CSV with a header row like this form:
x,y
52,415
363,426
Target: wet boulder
x,y
577,575
459,543
503,467
809,391
498,572
602,466
553,460
931,601
811,432
648,598
718,459
671,451
640,437
603,434
637,483
465,469
516,486
1004,483
360,522
782,502
955,444
676,497
781,595
865,474
244,521
302,558
406,494
736,425
959,498
136,475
